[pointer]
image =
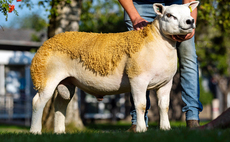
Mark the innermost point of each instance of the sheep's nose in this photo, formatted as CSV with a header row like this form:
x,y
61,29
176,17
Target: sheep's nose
x,y
189,21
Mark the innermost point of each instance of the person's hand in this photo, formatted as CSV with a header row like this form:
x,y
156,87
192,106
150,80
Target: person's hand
x,y
180,38
139,23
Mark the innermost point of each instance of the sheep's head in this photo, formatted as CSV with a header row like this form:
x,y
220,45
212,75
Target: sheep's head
x,y
176,19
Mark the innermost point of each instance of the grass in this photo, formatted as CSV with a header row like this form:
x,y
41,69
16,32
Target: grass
x,y
116,133
12,129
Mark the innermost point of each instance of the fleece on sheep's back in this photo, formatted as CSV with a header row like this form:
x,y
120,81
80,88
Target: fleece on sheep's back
x,y
98,52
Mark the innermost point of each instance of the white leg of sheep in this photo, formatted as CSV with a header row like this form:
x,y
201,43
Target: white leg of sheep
x,y
36,123
138,89
163,95
60,114
65,94
39,102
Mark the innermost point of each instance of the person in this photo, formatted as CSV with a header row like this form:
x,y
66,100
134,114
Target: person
x,y
137,14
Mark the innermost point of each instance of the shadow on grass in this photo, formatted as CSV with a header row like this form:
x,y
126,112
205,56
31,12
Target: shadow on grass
x,y
123,126
118,126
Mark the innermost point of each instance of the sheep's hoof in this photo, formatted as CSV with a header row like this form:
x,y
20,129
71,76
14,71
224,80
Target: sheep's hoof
x,y
165,128
60,132
35,132
66,91
140,130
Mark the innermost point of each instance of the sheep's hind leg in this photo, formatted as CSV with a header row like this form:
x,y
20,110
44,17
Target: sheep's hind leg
x,y
65,94
39,102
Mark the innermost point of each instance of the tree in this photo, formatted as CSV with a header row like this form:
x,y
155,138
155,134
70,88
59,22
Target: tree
x,y
66,16
104,16
6,7
34,22
212,36
30,21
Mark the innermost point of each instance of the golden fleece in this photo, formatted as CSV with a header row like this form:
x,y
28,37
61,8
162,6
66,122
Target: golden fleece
x,y
100,53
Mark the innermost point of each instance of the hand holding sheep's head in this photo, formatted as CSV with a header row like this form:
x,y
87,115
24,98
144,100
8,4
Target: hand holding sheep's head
x,y
176,19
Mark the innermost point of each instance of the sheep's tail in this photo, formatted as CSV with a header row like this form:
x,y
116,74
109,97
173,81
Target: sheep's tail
x,y
38,68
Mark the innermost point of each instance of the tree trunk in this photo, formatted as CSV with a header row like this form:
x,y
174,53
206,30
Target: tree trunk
x,y
224,85
67,18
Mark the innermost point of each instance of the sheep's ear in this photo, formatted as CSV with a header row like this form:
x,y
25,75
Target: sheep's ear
x,y
192,5
158,8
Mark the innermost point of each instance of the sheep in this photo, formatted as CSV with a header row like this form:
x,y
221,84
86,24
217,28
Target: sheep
x,y
113,63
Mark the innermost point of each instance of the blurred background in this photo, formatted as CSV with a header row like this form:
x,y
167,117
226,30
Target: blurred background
x,y
32,22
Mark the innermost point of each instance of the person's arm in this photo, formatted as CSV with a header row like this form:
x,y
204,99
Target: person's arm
x,y
137,20
190,35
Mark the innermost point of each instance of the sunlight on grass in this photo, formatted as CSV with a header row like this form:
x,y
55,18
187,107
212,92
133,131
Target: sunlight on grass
x,y
12,129
101,127
107,132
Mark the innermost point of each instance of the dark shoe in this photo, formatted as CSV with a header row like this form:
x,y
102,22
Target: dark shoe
x,y
192,123
132,129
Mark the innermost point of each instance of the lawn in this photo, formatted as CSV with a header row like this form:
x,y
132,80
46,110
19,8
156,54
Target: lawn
x,y
116,133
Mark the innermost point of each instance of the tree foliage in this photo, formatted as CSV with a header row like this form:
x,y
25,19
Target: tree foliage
x,y
48,5
6,7
213,30
212,38
205,95
104,16
30,21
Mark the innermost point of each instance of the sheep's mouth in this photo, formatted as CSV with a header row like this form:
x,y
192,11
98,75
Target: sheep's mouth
x,y
185,29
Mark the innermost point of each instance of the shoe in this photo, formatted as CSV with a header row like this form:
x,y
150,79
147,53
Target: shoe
x,y
132,128
192,123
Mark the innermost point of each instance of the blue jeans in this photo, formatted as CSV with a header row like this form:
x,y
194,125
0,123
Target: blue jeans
x,y
189,74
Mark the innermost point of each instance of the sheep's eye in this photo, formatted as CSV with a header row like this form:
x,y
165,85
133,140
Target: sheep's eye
x,y
168,15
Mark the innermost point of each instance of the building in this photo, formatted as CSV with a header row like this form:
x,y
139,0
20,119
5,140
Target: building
x,y
15,82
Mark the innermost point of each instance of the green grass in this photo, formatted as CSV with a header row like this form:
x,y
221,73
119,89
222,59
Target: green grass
x,y
116,133
12,129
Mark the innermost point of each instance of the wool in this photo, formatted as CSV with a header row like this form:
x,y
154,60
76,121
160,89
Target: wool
x,y
100,53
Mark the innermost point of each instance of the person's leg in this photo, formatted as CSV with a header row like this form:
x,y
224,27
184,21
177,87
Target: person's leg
x,y
189,81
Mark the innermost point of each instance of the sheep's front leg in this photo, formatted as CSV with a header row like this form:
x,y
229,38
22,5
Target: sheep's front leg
x,y
163,95
138,89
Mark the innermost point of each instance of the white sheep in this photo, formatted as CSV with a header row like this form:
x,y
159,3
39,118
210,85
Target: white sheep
x,y
106,64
